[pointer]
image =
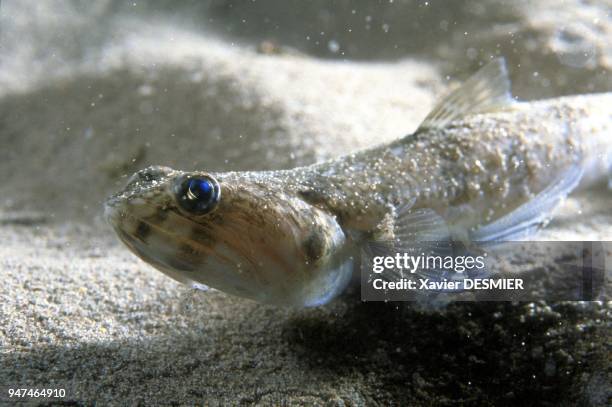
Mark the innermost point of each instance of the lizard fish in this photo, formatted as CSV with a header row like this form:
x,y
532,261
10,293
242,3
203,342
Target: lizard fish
x,y
481,167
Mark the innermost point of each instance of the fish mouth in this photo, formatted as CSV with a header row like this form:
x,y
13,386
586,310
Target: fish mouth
x,y
111,211
163,248
141,228
152,242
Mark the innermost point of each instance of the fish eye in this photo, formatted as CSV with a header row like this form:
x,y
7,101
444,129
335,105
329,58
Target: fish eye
x,y
197,195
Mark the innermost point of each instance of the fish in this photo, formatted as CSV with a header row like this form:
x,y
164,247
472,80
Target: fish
x,y
481,167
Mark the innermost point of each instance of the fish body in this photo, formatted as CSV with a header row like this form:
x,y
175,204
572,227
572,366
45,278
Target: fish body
x,y
481,167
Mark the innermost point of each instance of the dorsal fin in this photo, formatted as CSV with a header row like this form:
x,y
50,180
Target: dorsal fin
x,y
486,90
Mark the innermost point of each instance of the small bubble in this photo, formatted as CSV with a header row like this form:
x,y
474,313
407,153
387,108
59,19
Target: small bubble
x,y
145,90
333,46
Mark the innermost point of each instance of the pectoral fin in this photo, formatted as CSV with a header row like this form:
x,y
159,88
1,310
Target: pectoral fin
x,y
422,232
531,216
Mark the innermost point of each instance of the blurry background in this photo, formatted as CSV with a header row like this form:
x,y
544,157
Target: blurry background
x,y
91,91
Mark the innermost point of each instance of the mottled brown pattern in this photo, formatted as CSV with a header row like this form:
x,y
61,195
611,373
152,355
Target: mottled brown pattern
x,y
142,231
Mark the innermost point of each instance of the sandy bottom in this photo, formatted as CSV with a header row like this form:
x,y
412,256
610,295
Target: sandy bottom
x,y
79,312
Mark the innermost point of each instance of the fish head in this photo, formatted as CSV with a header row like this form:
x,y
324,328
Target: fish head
x,y
239,233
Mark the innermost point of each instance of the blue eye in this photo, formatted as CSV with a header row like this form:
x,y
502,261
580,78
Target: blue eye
x,y
198,195
200,189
